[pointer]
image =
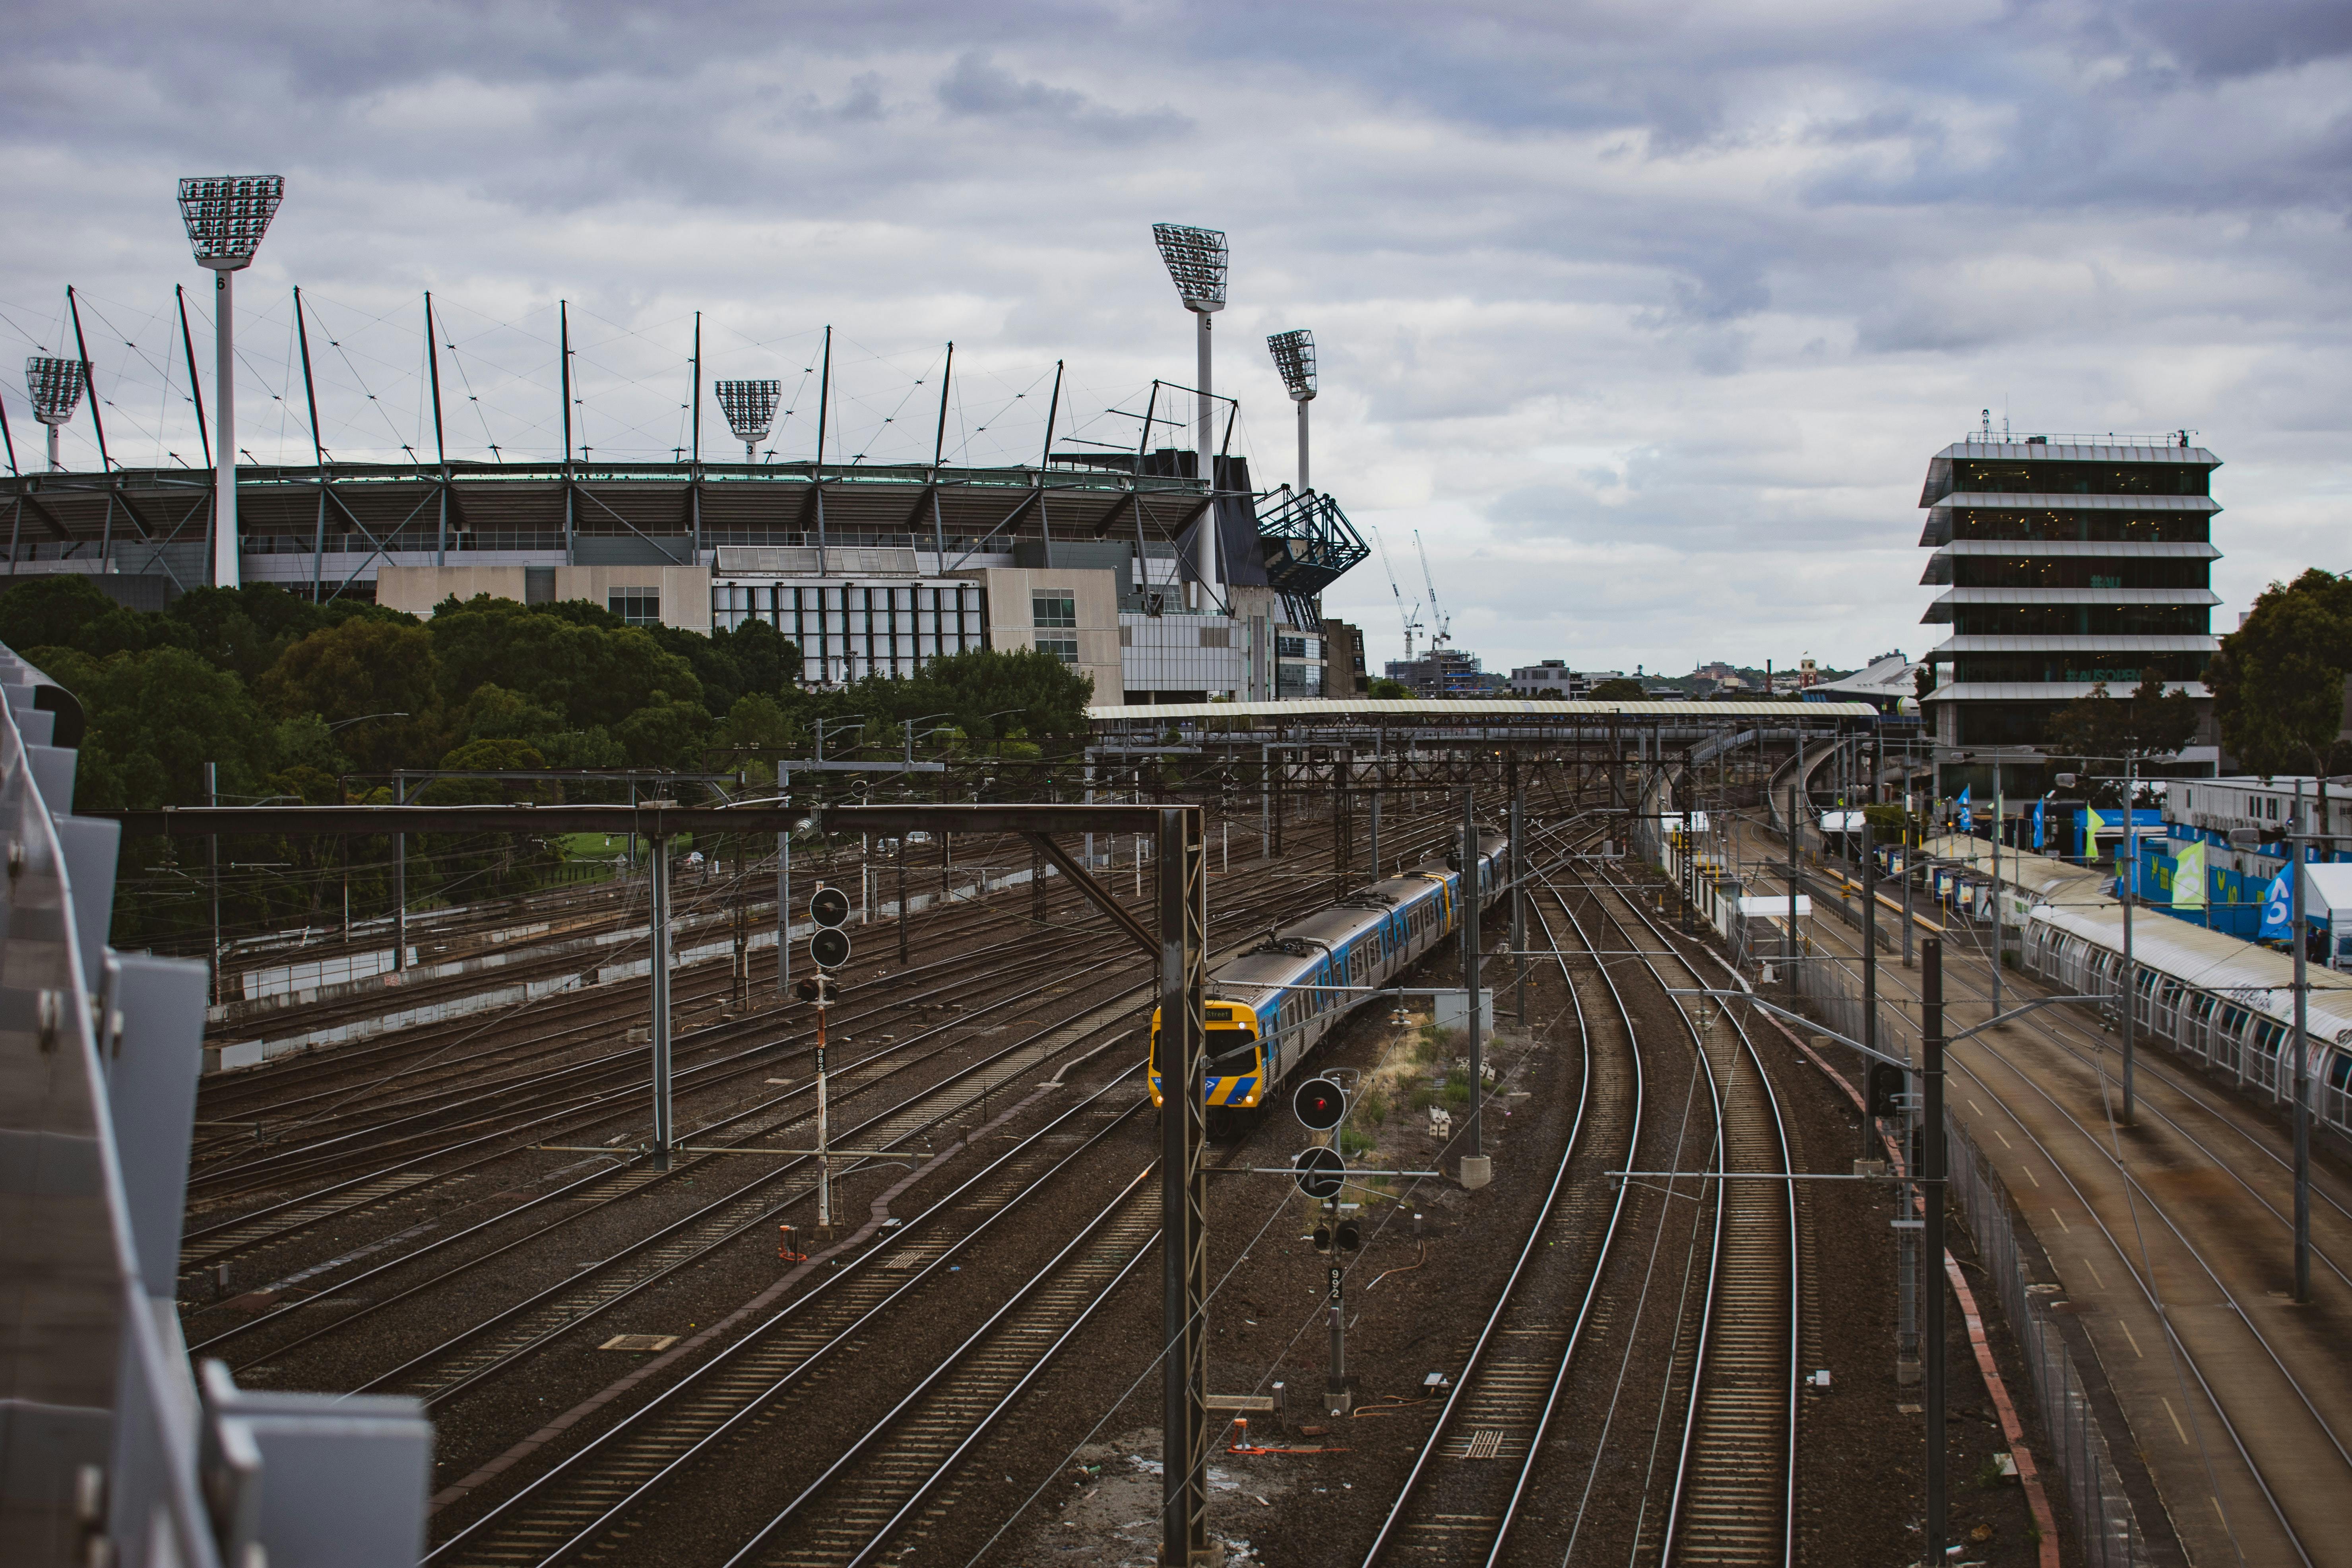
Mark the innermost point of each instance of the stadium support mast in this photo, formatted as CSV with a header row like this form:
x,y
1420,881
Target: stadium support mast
x,y
1196,261
226,216
1294,356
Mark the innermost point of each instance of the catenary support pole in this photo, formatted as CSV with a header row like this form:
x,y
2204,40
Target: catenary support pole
x,y
399,880
2127,1007
658,846
2000,826
211,869
1183,899
1869,961
2301,1043
1475,1147
1520,904
1931,1261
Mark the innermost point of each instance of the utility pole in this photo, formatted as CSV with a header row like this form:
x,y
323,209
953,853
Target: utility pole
x,y
1796,793
1476,1170
1520,904
1931,1265
1869,962
662,1136
2130,973
2295,840
2000,826
212,866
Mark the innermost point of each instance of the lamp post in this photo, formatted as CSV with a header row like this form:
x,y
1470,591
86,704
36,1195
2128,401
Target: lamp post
x,y
751,410
55,388
1293,357
226,216
1196,261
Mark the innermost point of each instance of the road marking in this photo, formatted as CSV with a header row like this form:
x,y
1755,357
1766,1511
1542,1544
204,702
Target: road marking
x,y
1975,1107
2093,1270
2177,1427
2128,1335
2004,1142
2062,1222
2030,1175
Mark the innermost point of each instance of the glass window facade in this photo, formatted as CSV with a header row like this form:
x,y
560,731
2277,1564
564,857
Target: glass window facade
x,y
2118,669
2080,620
2101,527
1063,648
1053,609
850,630
2079,572
2044,477
637,606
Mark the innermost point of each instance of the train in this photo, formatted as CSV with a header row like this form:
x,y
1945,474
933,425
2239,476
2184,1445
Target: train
x,y
2215,1000
1259,1013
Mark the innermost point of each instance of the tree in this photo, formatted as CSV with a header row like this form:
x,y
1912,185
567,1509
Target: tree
x,y
1619,689
2279,680
2102,725
1383,689
665,733
373,670
575,659
155,720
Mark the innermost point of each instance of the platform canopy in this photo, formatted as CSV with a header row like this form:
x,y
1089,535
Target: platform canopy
x,y
1442,711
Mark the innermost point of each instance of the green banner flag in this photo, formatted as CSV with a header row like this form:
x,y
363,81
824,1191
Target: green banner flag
x,y
2188,877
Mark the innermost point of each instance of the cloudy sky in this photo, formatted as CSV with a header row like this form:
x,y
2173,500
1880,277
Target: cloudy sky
x,y
1646,315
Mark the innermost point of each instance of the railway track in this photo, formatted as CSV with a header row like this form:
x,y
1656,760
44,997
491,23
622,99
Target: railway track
x,y
1477,1464
598,1495
2236,1406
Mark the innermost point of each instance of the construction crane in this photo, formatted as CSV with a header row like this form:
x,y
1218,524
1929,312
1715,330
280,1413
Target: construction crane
x,y
1411,618
1445,633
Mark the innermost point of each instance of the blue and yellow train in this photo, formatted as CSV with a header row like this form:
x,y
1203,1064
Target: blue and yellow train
x,y
1260,1013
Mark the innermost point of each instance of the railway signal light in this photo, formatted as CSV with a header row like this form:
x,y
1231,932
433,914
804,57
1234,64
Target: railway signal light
x,y
1322,1239
1349,1236
1885,1089
1320,1172
829,947
1320,1104
822,989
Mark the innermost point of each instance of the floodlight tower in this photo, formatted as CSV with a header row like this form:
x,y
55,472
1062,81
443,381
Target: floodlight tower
x,y
751,410
227,215
1196,260
55,388
1294,356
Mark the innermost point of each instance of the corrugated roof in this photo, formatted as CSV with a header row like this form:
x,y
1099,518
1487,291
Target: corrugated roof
x,y
1439,711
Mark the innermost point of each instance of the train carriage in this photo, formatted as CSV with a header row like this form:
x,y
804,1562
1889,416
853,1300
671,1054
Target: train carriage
x,y
1266,1008
2214,999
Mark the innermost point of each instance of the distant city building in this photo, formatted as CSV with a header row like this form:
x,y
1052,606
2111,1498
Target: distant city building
x,y
2067,562
1344,674
1444,672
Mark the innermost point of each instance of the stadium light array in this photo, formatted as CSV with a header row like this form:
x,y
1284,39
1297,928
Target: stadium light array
x,y
1196,260
1294,358
54,386
227,215
751,410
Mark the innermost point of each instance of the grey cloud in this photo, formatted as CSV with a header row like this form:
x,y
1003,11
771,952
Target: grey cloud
x,y
981,87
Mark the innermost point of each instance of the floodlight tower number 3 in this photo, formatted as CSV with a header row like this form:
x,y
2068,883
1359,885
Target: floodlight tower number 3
x,y
828,951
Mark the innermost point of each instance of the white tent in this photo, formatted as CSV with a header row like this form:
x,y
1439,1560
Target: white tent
x,y
2327,901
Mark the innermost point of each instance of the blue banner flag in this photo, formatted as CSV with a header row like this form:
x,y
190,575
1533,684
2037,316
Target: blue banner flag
x,y
1967,817
2278,908
2039,838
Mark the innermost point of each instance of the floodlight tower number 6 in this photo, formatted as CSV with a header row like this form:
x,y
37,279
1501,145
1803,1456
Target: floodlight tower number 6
x,y
828,951
227,215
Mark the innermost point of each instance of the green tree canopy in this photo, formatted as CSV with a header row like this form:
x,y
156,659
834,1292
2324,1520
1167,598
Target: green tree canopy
x,y
155,720
2101,725
376,680
2279,680
556,658
1383,689
1619,689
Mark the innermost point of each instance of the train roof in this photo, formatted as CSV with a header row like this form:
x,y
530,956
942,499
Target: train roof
x,y
2046,879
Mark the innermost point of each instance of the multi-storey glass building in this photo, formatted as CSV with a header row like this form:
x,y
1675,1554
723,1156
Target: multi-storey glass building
x,y
2065,562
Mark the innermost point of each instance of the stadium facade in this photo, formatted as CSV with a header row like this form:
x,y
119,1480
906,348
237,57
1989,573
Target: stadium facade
x,y
871,568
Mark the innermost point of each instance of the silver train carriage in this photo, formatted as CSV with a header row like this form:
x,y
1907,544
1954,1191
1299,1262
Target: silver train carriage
x,y
1260,1018
2215,1000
